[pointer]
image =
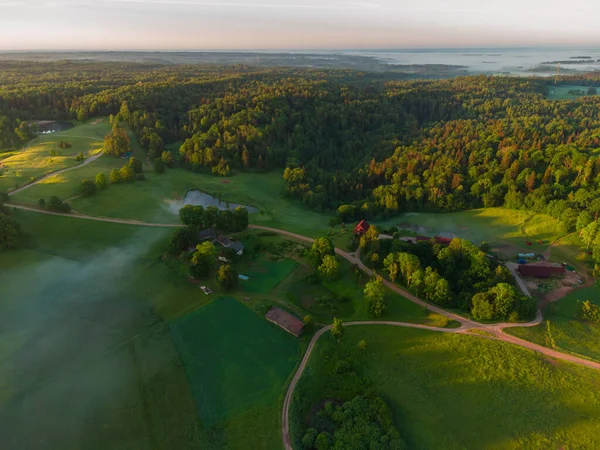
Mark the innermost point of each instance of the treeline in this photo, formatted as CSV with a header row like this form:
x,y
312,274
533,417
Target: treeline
x,y
344,138
10,230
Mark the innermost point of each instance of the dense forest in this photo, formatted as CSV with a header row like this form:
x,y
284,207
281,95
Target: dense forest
x,y
373,146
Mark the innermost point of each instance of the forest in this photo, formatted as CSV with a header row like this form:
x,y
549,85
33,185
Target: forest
x,y
348,141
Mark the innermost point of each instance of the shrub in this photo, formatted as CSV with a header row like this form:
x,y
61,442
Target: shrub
x,y
57,205
589,312
88,188
101,181
159,165
114,177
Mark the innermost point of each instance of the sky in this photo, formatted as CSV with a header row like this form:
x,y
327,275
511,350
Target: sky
x,y
294,24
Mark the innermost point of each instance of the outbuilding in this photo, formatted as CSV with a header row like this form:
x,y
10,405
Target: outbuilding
x,y
361,228
285,320
540,271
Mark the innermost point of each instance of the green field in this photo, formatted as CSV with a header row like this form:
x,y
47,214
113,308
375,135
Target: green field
x,y
562,92
265,274
570,334
457,392
505,229
35,160
235,361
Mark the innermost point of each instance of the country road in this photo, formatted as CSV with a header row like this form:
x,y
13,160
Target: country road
x,y
466,324
58,172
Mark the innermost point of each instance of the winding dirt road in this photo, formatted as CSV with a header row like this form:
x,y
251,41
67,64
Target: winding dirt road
x,y
58,172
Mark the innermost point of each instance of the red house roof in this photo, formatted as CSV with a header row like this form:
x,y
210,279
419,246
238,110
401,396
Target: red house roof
x,y
537,271
362,227
438,239
285,320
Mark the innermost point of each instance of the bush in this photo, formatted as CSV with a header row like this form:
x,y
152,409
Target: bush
x,y
101,181
57,205
114,177
589,312
79,157
88,188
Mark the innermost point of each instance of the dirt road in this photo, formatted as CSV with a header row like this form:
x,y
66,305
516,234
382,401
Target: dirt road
x,y
58,172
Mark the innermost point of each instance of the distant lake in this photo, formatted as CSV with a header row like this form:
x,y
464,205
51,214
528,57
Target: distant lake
x,y
199,198
513,61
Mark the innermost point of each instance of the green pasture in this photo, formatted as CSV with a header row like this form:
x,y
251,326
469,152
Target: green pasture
x,y
235,360
266,274
35,160
562,92
570,334
505,229
455,391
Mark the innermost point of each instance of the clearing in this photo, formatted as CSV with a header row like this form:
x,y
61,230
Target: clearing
x,y
238,364
570,334
36,159
454,391
562,92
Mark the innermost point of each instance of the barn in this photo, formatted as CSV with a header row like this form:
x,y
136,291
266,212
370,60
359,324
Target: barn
x,y
361,228
540,271
285,320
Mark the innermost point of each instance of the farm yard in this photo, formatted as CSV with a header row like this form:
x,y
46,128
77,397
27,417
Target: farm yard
x,y
453,391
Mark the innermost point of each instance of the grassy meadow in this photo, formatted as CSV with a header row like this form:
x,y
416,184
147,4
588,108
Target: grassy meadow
x,y
570,334
562,92
505,229
35,160
456,391
236,362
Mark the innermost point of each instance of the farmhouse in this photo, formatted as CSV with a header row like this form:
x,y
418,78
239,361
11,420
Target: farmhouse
x,y
228,243
207,235
285,320
361,228
540,271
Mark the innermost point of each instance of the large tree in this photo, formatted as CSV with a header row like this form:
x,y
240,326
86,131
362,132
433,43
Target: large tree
x,y
203,260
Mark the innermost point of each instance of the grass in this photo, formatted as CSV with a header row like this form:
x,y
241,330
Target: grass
x,y
562,92
505,229
86,352
266,274
456,391
235,360
35,160
570,334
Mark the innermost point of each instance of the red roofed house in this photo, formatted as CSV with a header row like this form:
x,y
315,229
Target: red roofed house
x,y
539,271
361,228
285,320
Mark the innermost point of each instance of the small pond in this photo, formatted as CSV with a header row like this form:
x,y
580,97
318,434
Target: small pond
x,y
199,198
48,126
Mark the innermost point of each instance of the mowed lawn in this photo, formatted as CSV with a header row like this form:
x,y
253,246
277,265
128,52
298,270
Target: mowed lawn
x,y
265,274
35,160
238,364
459,392
570,334
506,229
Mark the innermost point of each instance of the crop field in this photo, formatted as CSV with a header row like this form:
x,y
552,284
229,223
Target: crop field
x,y
455,392
236,361
562,92
505,229
570,334
36,160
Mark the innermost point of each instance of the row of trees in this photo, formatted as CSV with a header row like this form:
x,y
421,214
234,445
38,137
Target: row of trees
x,y
201,218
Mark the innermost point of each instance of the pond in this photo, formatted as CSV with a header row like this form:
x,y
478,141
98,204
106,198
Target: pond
x,y
199,198
50,126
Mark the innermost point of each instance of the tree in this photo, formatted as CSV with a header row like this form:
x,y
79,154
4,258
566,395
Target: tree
x,y
505,298
57,205
362,345
308,321
42,203
10,232
126,173
369,237
117,142
309,439
192,216
159,165
136,165
114,177
88,188
329,268
375,296
337,329
482,308
101,181
240,219
167,158
227,276
203,260
321,248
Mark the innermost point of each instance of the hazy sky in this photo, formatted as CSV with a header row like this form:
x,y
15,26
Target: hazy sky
x,y
295,24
